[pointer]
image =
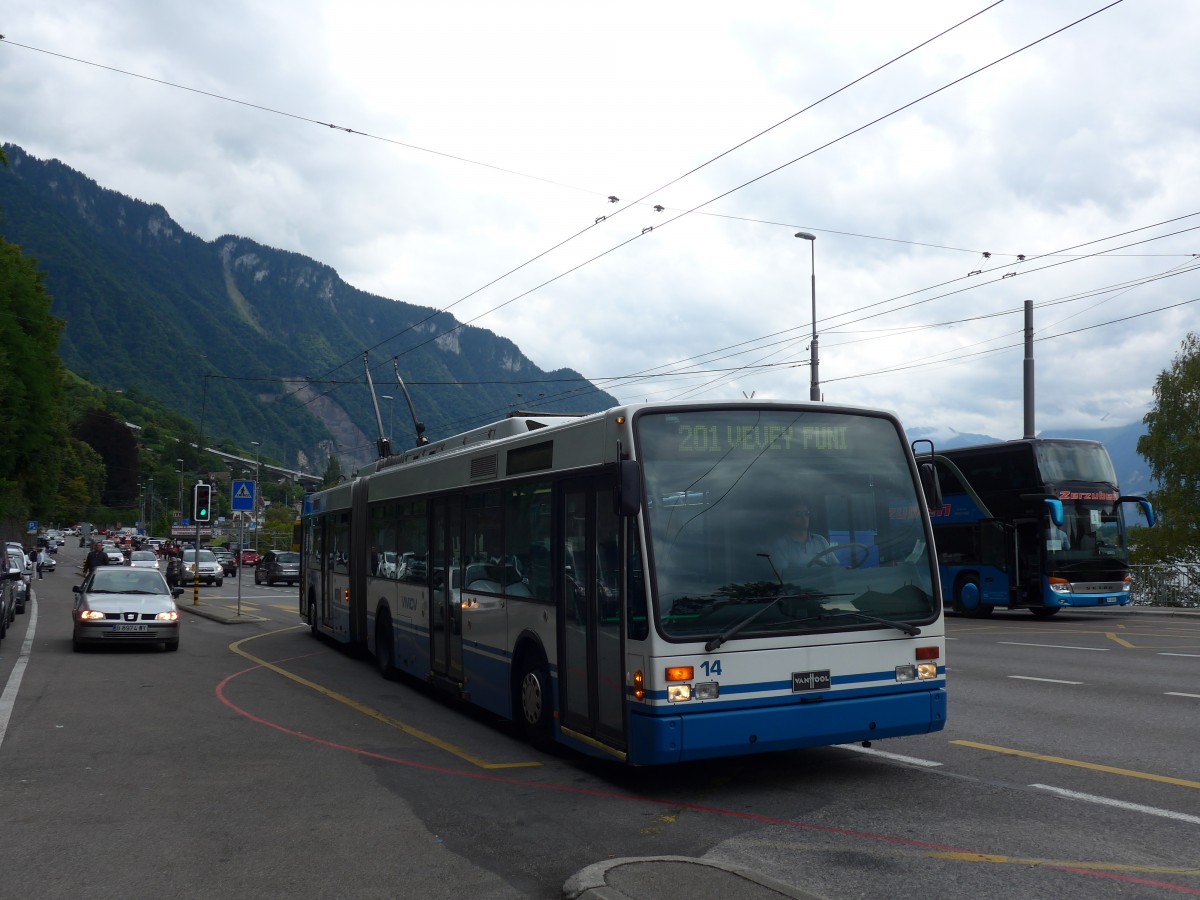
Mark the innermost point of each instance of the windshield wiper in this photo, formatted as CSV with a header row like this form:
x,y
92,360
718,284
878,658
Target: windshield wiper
x,y
713,643
911,630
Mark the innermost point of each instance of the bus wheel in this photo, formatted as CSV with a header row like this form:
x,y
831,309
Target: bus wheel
x,y
533,703
1044,612
385,649
967,599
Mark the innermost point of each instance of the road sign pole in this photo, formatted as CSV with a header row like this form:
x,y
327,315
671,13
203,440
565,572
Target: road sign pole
x,y
196,561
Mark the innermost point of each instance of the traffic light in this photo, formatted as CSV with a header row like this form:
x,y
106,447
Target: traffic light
x,y
202,502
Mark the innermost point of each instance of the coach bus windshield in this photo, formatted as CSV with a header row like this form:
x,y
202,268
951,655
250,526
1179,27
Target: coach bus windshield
x,y
810,519
1090,530
1074,461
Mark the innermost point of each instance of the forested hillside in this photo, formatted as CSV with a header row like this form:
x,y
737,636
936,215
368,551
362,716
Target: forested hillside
x,y
246,337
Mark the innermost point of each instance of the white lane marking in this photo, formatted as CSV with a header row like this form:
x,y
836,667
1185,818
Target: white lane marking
x,y
1188,655
870,751
1180,694
1120,804
9,698
1050,680
1054,646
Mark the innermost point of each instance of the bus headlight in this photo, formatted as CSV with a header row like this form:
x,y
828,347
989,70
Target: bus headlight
x,y
1059,585
922,671
709,690
677,693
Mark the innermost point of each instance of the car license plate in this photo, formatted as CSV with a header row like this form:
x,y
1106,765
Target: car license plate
x,y
125,629
811,681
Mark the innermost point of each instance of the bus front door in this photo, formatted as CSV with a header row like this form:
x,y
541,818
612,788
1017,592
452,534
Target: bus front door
x,y
591,680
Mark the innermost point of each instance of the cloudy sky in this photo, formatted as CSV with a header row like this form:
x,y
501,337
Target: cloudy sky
x,y
928,146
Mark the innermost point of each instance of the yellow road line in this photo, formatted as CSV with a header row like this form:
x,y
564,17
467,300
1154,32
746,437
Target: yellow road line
x,y
236,647
1079,764
1112,637
1065,864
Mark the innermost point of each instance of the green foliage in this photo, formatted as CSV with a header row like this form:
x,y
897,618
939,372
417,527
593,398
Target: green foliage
x,y
31,414
1172,448
333,472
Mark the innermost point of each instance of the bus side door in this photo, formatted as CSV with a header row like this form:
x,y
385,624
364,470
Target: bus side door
x,y
591,673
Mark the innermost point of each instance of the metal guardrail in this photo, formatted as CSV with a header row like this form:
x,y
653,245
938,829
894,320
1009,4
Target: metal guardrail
x,y
1166,584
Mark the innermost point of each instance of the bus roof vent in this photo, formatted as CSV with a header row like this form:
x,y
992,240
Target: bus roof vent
x,y
484,468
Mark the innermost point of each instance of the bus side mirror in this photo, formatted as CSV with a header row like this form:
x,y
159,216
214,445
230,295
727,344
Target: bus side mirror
x,y
629,488
931,486
1147,508
1056,510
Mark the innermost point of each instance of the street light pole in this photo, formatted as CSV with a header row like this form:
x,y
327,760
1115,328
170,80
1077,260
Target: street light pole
x,y
179,502
814,385
257,446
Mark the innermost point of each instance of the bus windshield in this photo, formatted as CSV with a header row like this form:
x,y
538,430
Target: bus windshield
x,y
1073,461
802,520
1090,530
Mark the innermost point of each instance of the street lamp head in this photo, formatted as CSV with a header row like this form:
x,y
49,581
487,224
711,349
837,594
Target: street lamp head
x,y
806,236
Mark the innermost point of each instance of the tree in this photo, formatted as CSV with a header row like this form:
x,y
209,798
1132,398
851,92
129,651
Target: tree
x,y
1172,448
333,472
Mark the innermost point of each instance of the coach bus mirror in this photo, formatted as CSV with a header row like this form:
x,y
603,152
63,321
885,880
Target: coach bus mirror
x,y
931,486
1146,507
1056,510
629,488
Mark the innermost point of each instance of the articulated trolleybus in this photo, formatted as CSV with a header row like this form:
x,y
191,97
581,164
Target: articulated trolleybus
x,y
635,584
1033,524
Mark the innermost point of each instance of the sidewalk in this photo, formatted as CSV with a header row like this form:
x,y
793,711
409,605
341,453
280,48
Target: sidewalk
x,y
223,610
673,878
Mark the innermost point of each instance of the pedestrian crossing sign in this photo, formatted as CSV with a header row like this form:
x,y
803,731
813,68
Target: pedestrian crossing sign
x,y
243,496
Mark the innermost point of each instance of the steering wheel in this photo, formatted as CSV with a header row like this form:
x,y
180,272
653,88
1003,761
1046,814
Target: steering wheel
x,y
852,546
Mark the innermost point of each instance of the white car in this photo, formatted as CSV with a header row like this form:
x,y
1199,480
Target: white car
x,y
210,571
143,559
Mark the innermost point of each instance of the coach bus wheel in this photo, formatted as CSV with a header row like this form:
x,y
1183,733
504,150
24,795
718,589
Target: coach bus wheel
x,y
968,600
533,703
1044,612
385,650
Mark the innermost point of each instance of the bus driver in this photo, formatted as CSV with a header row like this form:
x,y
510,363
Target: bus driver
x,y
800,546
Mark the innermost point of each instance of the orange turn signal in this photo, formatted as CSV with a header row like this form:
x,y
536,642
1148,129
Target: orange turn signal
x,y
639,685
928,653
680,673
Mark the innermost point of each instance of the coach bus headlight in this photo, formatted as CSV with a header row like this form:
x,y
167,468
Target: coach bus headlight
x,y
906,673
1126,583
677,693
1059,585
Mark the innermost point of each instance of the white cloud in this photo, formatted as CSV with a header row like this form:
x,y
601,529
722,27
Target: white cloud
x,y
1088,134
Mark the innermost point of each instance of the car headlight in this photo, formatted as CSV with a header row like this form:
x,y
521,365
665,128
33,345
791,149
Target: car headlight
x,y
170,616
89,614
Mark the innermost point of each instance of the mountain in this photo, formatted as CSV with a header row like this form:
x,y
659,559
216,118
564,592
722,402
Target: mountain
x,y
1133,472
253,342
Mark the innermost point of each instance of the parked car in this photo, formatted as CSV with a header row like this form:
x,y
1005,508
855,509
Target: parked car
x,y
210,570
124,603
143,559
278,566
15,587
250,557
227,560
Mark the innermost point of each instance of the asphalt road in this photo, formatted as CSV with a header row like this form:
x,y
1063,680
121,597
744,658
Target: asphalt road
x,y
260,762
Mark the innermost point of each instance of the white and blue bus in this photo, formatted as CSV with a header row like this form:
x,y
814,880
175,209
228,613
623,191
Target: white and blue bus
x,y
620,582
